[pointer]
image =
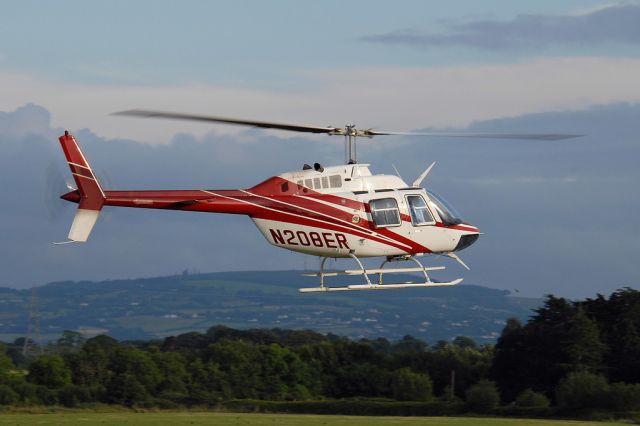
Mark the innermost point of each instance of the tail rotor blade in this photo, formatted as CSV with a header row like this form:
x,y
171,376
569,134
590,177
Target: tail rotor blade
x,y
54,186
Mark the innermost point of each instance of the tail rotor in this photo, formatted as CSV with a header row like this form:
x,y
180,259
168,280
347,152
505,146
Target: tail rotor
x,y
55,184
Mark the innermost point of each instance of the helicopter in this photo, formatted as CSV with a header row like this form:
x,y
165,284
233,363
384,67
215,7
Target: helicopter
x,y
332,212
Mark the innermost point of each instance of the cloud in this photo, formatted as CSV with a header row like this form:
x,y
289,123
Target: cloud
x,y
392,98
607,25
28,119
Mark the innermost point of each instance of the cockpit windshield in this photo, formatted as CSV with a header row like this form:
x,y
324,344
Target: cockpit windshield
x,y
448,214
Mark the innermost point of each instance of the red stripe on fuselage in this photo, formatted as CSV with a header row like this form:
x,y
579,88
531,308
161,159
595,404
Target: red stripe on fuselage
x,y
269,201
304,206
465,227
276,209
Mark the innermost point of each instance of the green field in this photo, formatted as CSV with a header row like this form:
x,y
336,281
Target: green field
x,y
230,419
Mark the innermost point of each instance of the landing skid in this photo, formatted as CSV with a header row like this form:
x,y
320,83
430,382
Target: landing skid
x,y
380,284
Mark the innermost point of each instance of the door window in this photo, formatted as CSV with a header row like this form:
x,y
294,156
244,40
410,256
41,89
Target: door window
x,y
384,212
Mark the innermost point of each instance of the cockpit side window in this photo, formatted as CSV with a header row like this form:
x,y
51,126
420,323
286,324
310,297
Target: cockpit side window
x,y
420,214
384,212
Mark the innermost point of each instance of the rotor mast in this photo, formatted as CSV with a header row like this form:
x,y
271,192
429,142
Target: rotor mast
x,y
350,144
351,133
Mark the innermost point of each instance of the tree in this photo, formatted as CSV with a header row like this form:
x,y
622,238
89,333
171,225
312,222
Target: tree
x,y
71,395
408,345
237,361
285,375
469,365
464,342
91,366
7,395
360,379
406,385
134,376
127,390
71,340
582,390
507,364
50,371
482,397
618,319
556,310
530,399
175,377
274,372
321,359
6,365
581,343
560,338
204,387
624,397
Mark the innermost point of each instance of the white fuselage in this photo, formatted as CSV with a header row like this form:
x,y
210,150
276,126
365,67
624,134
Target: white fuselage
x,y
345,209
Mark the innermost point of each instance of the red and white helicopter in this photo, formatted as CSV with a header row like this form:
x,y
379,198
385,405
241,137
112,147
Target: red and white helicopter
x,y
331,212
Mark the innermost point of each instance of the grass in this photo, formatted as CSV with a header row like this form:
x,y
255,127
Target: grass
x,y
231,419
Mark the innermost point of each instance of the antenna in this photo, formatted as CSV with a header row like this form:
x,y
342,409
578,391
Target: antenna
x,y
32,345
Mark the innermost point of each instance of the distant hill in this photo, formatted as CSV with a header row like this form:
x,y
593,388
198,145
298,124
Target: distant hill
x,y
157,307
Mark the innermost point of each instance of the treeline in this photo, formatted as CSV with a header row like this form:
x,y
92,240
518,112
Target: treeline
x,y
570,357
582,355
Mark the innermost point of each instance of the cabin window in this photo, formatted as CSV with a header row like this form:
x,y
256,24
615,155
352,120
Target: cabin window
x,y
325,182
316,183
420,214
335,181
308,183
384,212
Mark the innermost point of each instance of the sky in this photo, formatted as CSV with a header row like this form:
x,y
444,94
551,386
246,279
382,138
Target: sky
x,y
558,217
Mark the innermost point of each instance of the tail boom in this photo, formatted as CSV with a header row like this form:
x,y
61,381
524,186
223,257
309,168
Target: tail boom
x,y
211,201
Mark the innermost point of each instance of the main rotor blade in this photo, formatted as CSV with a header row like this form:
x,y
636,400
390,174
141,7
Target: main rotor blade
x,y
531,136
335,130
211,119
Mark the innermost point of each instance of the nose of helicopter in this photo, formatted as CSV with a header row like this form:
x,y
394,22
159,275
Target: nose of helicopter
x,y
467,239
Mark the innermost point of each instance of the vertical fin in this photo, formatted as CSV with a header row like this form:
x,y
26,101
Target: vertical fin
x,y
92,196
